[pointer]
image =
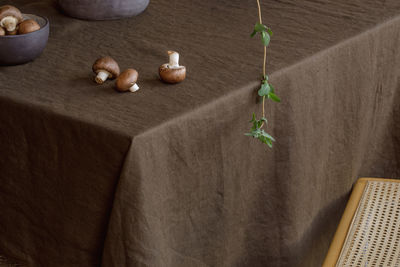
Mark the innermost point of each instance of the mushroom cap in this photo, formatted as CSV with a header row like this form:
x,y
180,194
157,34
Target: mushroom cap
x,y
2,32
107,64
9,10
172,75
28,26
126,79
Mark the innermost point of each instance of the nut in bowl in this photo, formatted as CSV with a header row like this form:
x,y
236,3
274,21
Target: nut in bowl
x,y
27,44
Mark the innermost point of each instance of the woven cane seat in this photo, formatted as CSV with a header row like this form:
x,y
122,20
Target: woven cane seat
x,y
369,232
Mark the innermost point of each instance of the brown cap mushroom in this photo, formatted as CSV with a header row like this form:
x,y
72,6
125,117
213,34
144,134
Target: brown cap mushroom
x,y
171,72
10,17
105,68
28,26
127,81
2,32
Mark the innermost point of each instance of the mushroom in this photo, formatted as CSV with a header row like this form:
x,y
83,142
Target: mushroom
x,y
172,72
14,32
105,68
28,26
10,17
127,81
2,32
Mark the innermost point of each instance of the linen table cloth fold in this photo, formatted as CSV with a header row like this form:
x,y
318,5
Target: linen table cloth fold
x,y
165,176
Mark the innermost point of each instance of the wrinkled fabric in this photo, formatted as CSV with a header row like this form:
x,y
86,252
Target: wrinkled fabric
x,y
165,176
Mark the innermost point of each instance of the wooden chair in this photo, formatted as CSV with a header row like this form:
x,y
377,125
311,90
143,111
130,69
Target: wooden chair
x,y
369,231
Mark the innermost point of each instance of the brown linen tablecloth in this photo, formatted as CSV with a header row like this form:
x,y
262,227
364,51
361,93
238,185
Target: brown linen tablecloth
x,y
165,176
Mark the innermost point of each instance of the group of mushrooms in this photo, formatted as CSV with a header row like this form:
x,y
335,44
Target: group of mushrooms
x,y
12,22
107,68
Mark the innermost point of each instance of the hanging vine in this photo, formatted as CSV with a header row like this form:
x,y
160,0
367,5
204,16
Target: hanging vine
x,y
266,90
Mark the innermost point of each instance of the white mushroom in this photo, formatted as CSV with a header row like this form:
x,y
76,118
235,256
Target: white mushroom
x,y
10,17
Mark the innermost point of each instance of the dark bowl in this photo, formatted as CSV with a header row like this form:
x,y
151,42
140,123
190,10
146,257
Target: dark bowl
x,y
103,9
19,49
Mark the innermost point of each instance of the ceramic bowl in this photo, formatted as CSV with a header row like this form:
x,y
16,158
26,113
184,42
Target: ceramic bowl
x,y
19,49
103,9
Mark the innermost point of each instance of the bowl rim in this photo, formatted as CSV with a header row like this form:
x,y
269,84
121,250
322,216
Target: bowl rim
x,y
25,34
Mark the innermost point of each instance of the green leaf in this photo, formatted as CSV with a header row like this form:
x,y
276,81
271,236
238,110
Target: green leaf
x,y
274,97
255,123
258,133
265,38
268,142
265,139
266,87
265,31
272,88
267,135
260,27
254,118
269,31
264,90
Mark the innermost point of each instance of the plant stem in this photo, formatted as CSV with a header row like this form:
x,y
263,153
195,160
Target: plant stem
x,y
265,60
263,109
265,48
259,11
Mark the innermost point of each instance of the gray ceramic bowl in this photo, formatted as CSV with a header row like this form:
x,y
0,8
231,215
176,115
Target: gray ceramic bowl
x,y
103,9
19,49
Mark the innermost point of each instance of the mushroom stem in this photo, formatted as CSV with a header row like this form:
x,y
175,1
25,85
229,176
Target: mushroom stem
x,y
102,76
134,88
173,59
9,22
14,32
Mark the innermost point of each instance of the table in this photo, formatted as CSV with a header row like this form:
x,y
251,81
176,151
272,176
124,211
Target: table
x,y
166,177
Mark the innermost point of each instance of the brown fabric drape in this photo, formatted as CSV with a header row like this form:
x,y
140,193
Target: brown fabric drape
x,y
165,176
